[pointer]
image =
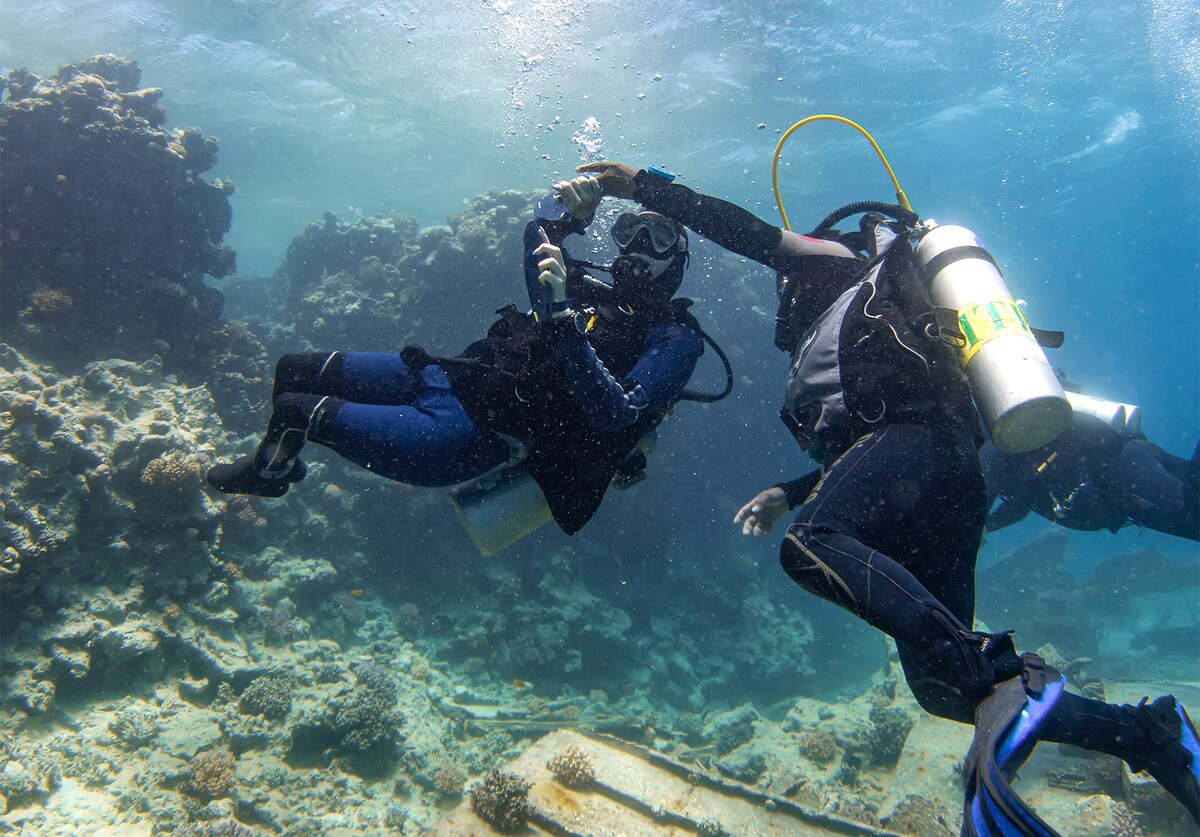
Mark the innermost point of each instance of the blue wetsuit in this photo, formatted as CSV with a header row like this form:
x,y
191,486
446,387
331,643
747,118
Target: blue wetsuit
x,y
431,426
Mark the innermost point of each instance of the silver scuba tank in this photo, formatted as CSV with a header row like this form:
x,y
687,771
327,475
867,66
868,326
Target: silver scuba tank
x,y
1126,419
1016,391
500,508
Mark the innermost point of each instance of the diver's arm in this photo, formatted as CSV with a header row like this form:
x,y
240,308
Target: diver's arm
x,y
724,223
797,490
653,383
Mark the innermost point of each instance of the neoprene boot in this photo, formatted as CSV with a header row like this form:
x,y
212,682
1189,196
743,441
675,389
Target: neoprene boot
x,y
249,475
276,465
1170,752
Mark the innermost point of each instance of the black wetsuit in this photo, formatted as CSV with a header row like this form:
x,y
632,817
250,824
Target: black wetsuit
x,y
1092,477
892,528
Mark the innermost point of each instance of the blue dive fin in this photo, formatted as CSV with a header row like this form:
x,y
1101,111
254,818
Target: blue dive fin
x,y
1006,728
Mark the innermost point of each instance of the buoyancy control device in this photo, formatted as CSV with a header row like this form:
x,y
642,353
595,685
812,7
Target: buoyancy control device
x,y
1018,395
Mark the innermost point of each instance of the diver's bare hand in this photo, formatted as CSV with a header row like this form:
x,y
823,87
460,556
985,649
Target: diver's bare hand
x,y
760,514
580,196
553,269
616,179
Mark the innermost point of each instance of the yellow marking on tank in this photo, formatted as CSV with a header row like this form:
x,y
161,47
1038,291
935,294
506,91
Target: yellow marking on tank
x,y
983,322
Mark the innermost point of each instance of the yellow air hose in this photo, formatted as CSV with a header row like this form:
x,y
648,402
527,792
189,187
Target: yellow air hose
x,y
901,198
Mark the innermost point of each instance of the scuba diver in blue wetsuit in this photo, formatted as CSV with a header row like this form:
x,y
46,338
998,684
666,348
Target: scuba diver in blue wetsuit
x,y
889,528
1099,473
568,389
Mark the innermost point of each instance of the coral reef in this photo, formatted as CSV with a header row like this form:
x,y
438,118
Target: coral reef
x,y
502,799
357,723
25,777
220,828
730,730
915,814
573,767
110,230
378,282
134,728
87,461
109,227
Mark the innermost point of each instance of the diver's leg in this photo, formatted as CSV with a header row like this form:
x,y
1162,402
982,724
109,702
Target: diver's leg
x,y
430,442
1152,736
901,511
306,386
275,463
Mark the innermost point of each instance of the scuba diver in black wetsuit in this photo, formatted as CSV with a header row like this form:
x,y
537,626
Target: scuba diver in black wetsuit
x,y
1095,476
890,527
568,389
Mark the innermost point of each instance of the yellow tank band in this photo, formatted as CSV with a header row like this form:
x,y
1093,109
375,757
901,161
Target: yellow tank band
x,y
985,321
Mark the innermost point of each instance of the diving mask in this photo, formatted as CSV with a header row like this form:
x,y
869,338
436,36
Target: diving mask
x,y
661,232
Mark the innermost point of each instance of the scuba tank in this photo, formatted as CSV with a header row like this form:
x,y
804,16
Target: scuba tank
x,y
1015,390
500,508
1018,395
505,505
1126,419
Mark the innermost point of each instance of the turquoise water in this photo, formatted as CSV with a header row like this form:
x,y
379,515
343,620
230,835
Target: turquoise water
x,y
1066,135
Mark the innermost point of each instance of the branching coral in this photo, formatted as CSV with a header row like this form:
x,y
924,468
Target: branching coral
x,y
50,302
378,678
573,767
502,799
885,737
211,774
174,476
448,780
270,697
279,627
365,722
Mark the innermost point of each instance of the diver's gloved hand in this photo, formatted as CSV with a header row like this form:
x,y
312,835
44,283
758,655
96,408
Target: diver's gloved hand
x,y
760,514
580,196
553,269
616,179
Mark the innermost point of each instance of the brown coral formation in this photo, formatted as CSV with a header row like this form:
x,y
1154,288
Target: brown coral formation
x,y
449,780
818,746
211,774
175,475
49,302
573,767
502,799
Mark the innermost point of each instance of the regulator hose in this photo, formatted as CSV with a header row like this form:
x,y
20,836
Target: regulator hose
x,y
901,198
891,210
